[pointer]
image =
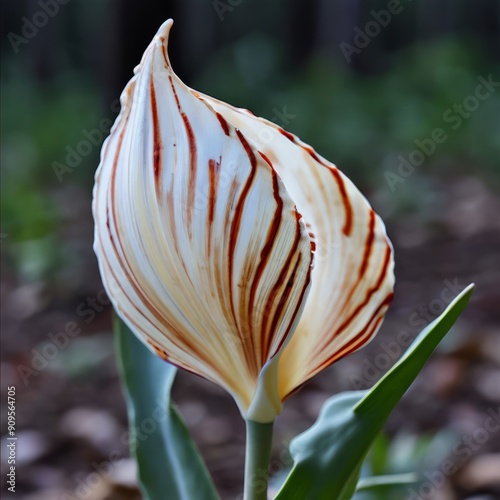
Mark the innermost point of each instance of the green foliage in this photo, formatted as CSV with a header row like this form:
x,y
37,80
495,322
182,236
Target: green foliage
x,y
382,485
397,458
38,123
328,457
37,126
168,461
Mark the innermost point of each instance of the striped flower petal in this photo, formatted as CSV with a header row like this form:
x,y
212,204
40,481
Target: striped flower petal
x,y
352,280
205,256
200,246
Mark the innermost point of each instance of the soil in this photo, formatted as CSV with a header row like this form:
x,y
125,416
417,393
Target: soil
x,y
71,415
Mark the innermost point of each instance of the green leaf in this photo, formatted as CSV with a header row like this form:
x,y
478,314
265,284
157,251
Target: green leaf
x,y
169,465
328,456
376,482
379,454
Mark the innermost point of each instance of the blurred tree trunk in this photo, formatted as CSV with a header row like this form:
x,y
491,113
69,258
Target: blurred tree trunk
x,y
435,19
133,25
336,22
302,31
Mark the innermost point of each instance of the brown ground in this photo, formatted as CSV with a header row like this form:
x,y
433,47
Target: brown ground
x,y
72,414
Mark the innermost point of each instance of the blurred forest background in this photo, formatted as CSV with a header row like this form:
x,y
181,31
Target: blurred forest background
x,y
402,95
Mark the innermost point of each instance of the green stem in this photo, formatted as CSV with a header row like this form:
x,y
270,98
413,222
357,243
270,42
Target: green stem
x,y
258,452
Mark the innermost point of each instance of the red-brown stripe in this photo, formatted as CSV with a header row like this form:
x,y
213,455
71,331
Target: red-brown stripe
x,y
163,51
266,249
313,154
279,309
175,93
312,241
360,338
366,258
266,314
266,159
192,165
368,245
157,143
268,333
192,155
347,229
369,293
160,352
359,341
223,123
213,180
286,134
387,259
296,310
238,212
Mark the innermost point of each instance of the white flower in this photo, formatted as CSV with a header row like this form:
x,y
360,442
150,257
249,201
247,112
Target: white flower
x,y
208,220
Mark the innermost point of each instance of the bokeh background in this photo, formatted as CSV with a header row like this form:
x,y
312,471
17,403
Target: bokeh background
x,y
392,99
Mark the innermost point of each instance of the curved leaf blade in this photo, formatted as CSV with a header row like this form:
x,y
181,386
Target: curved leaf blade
x,y
169,465
328,456
377,482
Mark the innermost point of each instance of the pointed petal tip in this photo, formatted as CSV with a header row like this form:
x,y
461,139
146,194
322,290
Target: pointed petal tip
x,y
161,38
160,41
164,29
